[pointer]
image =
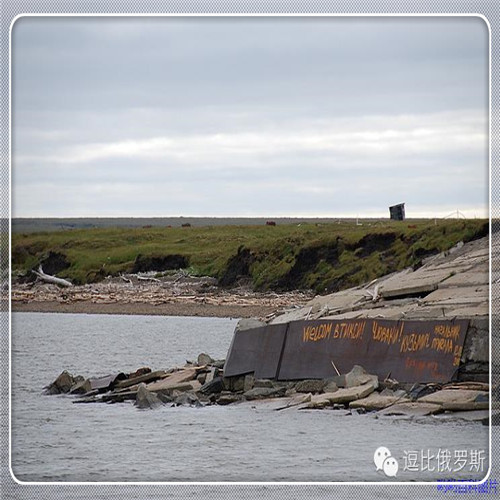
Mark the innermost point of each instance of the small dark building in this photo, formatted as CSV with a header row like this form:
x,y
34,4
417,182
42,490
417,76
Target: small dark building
x,y
397,212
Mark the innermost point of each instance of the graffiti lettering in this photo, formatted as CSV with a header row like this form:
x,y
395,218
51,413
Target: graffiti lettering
x,y
315,333
351,331
415,342
386,334
447,331
442,344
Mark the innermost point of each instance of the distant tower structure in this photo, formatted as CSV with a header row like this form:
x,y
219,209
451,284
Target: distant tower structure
x,y
397,212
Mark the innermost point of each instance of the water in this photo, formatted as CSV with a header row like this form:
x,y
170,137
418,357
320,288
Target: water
x,y
57,441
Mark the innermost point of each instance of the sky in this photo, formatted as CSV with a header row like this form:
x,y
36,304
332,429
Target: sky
x,y
249,116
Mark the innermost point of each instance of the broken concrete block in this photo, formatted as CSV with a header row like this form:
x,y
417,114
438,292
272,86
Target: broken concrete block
x,y
342,395
456,398
376,402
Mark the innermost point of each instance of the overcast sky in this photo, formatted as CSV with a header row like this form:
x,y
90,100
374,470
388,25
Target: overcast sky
x,y
249,116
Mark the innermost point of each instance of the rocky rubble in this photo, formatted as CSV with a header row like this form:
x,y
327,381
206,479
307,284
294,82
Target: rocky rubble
x,y
202,383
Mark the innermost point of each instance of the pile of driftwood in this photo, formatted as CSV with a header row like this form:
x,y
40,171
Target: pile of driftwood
x,y
130,289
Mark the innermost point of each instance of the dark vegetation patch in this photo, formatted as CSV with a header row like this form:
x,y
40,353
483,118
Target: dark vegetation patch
x,y
374,242
54,263
237,267
146,263
307,260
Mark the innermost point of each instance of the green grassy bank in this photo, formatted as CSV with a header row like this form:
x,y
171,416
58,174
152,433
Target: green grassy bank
x,y
322,257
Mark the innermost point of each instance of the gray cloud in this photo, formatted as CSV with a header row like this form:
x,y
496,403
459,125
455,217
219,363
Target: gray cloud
x,y
249,116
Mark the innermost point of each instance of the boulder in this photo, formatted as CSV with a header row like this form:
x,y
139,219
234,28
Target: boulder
x,y
187,399
264,392
146,399
330,386
213,387
202,378
81,387
61,385
263,382
248,383
227,398
204,359
310,385
359,376
234,384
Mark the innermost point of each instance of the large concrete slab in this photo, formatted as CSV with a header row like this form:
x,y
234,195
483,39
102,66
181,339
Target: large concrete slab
x,y
458,295
455,397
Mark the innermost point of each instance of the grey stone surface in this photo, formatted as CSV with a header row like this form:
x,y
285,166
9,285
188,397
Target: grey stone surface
x,y
146,399
248,324
310,385
248,382
359,376
61,385
263,392
204,359
416,409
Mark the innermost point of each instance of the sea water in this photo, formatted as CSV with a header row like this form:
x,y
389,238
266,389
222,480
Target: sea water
x,y
54,440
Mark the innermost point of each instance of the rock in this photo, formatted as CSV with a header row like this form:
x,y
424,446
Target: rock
x,y
210,375
234,384
227,398
187,399
204,359
81,387
248,383
359,376
264,392
330,386
411,409
213,387
219,363
311,385
146,399
202,378
376,402
263,382
61,385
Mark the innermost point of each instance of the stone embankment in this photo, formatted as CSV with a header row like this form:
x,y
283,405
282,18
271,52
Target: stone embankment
x,y
202,383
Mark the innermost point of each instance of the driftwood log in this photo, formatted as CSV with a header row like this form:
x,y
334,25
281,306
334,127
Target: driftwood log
x,y
51,279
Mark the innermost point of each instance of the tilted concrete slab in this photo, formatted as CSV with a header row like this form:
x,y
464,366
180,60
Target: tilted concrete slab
x,y
458,295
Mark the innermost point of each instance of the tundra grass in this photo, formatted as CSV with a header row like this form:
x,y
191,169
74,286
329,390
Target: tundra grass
x,y
322,257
